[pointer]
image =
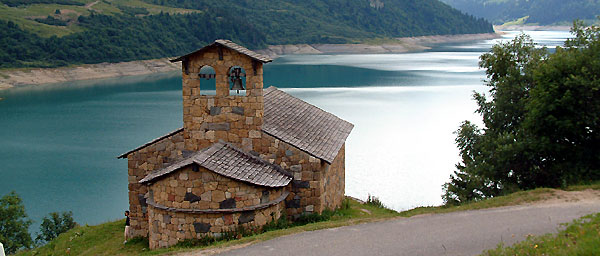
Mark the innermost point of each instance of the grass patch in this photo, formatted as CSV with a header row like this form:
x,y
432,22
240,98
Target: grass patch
x,y
581,237
25,16
519,21
512,199
516,198
103,239
593,185
380,41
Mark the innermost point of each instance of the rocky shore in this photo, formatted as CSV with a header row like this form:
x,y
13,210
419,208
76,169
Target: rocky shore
x,y
401,45
531,28
40,76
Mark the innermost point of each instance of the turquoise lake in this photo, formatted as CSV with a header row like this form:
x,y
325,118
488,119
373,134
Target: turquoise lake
x,y
58,143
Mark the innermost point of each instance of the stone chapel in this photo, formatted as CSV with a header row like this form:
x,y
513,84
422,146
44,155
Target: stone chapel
x,y
243,156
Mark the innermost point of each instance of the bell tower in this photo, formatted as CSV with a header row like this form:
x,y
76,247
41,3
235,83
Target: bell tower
x,y
222,95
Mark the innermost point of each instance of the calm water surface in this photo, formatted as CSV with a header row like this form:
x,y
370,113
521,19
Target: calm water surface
x,y
58,143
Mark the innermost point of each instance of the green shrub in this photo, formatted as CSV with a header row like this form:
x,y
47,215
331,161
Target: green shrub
x,y
14,223
55,225
374,201
52,21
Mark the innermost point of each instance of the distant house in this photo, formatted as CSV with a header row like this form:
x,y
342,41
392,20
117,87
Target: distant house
x,y
243,156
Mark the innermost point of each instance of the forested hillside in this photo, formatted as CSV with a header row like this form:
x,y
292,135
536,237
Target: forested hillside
x,y
49,33
542,12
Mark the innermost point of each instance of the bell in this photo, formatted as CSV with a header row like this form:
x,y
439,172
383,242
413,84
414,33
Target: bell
x,y
237,84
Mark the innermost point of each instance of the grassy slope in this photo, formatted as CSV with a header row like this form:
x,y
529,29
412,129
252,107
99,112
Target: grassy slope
x,y
581,237
24,15
107,238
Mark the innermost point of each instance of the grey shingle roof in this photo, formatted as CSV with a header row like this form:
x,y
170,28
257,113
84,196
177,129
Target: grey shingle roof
x,y
230,161
309,128
232,46
124,155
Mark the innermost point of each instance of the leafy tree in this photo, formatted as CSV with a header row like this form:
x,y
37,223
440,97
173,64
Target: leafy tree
x,y
541,124
55,225
14,224
491,157
564,112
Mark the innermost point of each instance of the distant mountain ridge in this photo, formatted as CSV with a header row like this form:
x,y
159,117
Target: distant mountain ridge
x,y
540,12
50,33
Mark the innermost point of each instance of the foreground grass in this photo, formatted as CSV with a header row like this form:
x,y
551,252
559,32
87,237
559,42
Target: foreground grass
x,y
107,238
517,198
581,237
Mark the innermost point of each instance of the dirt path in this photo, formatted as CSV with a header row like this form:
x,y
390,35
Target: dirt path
x,y
90,5
457,233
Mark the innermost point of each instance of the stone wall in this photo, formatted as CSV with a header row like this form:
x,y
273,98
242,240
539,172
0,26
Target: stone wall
x,y
208,119
141,163
203,189
334,181
169,227
308,187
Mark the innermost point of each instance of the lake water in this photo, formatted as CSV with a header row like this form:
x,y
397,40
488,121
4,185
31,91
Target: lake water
x,y
58,143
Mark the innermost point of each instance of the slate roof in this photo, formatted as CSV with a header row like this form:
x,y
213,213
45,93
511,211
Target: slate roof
x,y
232,46
230,161
307,127
124,155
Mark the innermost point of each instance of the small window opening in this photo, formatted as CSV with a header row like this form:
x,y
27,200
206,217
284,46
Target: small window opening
x,y
237,81
208,81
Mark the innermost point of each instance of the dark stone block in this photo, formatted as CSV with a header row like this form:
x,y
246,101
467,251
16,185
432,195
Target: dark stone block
x,y
218,126
187,153
238,110
155,226
246,217
265,197
191,197
167,219
227,204
296,168
215,111
289,153
142,200
300,184
294,203
200,227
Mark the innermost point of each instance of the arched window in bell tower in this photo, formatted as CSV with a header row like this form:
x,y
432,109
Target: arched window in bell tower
x,y
237,81
208,81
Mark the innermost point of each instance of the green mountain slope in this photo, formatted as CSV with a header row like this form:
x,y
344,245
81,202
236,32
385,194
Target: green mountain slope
x,y
542,12
48,33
